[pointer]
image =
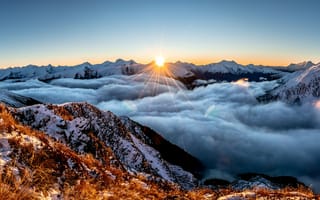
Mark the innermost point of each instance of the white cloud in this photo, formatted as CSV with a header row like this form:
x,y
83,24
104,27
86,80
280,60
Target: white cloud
x,y
221,124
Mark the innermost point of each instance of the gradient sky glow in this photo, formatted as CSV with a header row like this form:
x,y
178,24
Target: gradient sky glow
x,y
67,32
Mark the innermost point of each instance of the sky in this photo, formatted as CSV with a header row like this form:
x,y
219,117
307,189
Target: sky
x,y
69,32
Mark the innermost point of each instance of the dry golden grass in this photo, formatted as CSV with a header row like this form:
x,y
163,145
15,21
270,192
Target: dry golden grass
x,y
62,112
13,188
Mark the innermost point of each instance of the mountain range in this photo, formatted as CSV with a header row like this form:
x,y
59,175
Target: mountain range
x,y
298,82
178,70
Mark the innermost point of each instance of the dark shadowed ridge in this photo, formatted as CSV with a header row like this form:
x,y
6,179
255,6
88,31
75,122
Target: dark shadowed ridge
x,y
168,151
15,100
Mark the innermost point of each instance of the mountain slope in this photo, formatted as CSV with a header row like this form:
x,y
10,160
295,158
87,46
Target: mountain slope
x,y
78,125
33,165
299,87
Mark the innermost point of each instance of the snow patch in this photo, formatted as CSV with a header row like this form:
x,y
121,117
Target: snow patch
x,y
5,150
153,157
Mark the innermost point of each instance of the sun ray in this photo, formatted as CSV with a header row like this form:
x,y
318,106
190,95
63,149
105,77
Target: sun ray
x,y
158,74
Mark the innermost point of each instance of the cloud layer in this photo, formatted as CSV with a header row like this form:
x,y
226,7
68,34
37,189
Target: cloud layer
x,y
221,124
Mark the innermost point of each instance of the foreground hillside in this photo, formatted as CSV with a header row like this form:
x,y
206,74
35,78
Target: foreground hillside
x,y
75,151
35,165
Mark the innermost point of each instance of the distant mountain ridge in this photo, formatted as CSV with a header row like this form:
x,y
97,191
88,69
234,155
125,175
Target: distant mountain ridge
x,y
291,89
297,66
185,72
82,71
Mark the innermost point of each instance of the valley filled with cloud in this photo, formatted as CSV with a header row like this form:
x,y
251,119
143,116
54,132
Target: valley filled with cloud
x,y
222,124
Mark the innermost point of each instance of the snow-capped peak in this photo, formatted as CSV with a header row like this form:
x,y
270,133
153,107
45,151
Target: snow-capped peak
x,y
300,66
300,86
120,61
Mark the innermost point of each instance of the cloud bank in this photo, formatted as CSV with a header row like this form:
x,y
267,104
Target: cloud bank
x,y
222,124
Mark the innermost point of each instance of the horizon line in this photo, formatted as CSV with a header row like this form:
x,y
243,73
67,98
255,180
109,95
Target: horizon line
x,y
73,64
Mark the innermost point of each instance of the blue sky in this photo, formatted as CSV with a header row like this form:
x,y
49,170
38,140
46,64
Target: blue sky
x,y
275,32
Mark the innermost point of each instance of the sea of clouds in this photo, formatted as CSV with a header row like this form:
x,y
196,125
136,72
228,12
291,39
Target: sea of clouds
x,y
222,124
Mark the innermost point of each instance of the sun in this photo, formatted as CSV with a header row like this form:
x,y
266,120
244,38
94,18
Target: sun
x,y
159,61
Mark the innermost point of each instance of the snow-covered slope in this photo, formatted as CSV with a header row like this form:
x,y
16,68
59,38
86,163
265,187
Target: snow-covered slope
x,y
301,86
182,69
81,126
15,100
